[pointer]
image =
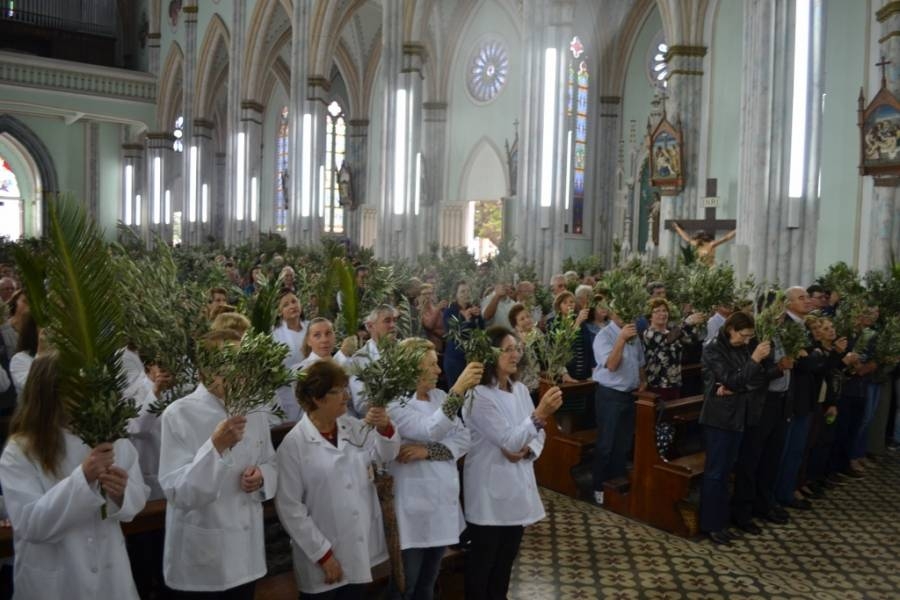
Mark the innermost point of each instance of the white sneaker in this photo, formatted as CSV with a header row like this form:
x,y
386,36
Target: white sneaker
x,y
598,498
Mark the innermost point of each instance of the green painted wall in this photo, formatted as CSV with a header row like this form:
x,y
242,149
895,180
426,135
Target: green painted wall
x,y
638,91
110,175
845,68
725,58
468,122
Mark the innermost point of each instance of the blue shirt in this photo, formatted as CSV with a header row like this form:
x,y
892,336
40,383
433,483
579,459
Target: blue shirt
x,y
627,377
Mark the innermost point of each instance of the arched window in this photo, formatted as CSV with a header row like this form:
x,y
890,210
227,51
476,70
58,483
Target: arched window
x,y
281,170
10,202
576,110
335,149
657,67
178,133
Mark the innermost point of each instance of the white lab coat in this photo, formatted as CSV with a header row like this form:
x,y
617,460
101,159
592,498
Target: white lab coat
x,y
294,341
132,366
368,353
426,493
339,357
326,500
63,548
497,491
145,432
19,367
214,530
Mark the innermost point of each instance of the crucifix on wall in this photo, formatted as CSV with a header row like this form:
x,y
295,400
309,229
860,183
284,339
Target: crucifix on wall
x,y
700,233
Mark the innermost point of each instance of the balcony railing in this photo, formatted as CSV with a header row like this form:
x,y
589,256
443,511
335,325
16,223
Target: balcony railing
x,y
94,17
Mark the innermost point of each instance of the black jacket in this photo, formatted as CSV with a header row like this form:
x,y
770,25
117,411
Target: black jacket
x,y
724,364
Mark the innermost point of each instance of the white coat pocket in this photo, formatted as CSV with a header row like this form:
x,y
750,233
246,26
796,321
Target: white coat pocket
x,y
35,584
202,547
418,496
504,483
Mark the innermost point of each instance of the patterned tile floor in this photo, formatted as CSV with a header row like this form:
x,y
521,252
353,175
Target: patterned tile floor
x,y
847,548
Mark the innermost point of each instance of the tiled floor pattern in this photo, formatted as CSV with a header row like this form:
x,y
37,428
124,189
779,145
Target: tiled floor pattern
x,y
847,548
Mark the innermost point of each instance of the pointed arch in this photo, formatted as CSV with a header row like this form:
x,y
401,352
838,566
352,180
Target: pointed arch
x,y
484,172
257,53
37,152
170,88
347,69
217,40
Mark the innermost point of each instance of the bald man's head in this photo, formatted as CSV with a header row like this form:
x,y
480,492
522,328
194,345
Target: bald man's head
x,y
797,300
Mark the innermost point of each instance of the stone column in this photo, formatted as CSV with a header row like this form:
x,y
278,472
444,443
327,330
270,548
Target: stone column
x,y
233,118
132,156
775,240
317,97
539,237
883,222
607,127
153,38
357,158
158,147
434,157
298,107
251,126
390,226
218,204
414,57
190,223
202,140
91,168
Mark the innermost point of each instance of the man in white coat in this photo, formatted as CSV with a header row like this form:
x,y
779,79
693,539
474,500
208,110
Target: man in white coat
x,y
381,324
215,471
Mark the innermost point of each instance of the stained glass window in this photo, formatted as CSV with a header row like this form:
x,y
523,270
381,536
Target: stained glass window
x,y
178,133
488,70
335,150
657,67
576,109
281,170
9,185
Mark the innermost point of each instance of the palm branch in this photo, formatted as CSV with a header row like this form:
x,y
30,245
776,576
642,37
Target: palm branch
x,y
347,285
262,307
75,296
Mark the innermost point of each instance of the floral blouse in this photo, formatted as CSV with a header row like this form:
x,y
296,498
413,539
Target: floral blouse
x,y
662,351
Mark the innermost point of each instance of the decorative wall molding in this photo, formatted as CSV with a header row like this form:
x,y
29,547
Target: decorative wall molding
x,y
369,226
453,226
77,78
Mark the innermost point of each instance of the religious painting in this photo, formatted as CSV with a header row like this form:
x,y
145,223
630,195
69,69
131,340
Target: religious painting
x,y
174,12
666,169
879,124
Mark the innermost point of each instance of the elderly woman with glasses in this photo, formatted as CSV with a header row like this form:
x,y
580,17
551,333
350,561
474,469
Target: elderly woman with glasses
x,y
735,381
501,494
326,499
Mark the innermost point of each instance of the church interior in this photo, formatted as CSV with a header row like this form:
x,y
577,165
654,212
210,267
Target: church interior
x,y
761,135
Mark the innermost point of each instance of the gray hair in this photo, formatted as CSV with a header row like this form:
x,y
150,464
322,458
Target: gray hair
x,y
378,311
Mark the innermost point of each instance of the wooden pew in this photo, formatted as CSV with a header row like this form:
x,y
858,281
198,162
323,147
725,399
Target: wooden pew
x,y
656,490
569,441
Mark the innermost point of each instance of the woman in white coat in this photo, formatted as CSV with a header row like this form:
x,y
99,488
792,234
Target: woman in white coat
x,y
326,499
216,472
500,489
290,331
426,480
319,344
52,486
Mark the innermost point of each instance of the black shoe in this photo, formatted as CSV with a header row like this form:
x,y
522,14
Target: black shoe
x,y
800,504
834,480
853,473
778,516
733,533
749,527
810,492
720,538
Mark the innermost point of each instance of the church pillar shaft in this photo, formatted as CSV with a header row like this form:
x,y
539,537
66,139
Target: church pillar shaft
x,y
190,233
298,110
542,171
159,145
434,159
776,232
247,181
883,240
233,143
607,128
357,157
204,177
132,183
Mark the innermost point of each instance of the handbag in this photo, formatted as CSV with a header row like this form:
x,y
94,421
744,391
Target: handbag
x,y
665,432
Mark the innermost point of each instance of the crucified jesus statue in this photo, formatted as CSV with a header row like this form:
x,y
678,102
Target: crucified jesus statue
x,y
704,243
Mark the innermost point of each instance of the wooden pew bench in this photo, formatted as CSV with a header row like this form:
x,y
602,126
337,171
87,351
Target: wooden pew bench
x,y
568,443
657,490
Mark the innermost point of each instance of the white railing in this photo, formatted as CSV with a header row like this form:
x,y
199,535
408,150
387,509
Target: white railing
x,y
61,75
97,17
